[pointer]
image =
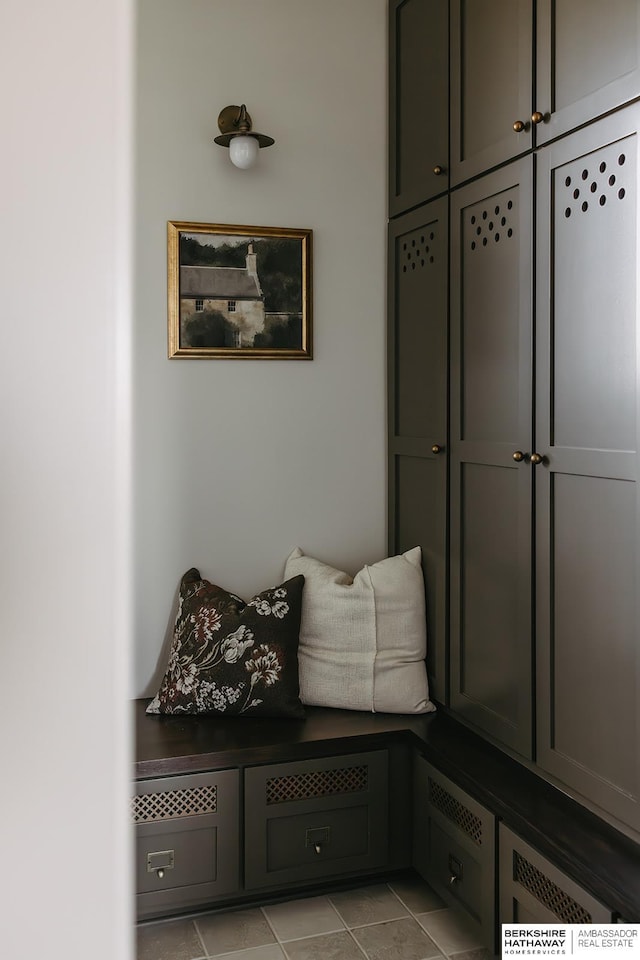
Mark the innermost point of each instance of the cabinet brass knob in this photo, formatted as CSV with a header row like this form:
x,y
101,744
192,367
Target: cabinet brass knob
x,y
317,847
519,126
438,170
537,117
518,456
436,448
536,458
160,874
453,879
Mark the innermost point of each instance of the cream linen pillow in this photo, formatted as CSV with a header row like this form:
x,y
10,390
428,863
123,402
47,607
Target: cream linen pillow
x,y
363,640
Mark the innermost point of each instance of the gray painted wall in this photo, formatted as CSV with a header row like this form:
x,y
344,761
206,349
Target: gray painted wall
x,y
237,462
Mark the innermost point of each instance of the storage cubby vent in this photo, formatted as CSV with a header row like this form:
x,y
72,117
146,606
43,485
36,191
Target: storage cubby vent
x,y
596,182
491,222
321,783
547,892
417,250
174,803
455,811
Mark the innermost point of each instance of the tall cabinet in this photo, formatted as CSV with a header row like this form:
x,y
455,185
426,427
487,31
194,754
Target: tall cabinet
x,y
519,362
586,487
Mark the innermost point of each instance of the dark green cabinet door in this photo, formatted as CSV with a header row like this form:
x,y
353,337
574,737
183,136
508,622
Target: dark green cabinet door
x,y
417,377
587,504
491,83
491,420
588,61
418,102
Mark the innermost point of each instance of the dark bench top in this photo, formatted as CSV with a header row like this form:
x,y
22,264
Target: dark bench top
x,y
600,858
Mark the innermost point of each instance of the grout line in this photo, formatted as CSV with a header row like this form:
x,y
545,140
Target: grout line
x,y
205,952
360,948
273,931
412,915
372,923
343,929
285,951
428,932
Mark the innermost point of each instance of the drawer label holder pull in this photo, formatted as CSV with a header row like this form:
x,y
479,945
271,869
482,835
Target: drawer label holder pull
x,y
456,870
160,861
318,837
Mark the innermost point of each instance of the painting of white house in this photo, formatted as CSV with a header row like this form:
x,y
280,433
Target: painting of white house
x,y
239,291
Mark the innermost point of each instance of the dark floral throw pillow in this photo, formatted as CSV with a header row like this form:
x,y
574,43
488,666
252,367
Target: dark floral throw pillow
x,y
232,657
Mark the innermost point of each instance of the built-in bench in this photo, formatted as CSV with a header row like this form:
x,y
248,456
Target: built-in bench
x,y
265,805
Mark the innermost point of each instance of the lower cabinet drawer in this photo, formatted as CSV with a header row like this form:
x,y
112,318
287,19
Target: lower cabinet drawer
x,y
315,818
532,890
327,835
454,848
187,841
177,859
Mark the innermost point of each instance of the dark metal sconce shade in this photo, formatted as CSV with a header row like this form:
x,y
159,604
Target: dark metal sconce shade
x,y
234,121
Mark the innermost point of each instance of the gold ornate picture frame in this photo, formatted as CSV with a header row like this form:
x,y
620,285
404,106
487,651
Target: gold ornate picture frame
x,y
239,292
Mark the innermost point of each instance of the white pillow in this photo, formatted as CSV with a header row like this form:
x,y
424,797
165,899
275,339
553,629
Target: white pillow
x,y
363,641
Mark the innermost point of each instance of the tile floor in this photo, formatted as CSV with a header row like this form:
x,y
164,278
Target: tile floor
x,y
403,920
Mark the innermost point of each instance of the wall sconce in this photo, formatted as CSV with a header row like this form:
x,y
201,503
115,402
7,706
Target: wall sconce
x,y
234,124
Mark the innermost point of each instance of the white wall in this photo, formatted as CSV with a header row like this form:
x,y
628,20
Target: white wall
x,y
65,70
237,462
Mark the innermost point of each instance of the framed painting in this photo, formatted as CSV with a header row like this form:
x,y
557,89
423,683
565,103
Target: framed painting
x,y
238,292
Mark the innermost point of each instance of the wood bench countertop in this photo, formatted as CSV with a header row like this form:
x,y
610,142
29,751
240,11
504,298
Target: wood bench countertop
x,y
599,857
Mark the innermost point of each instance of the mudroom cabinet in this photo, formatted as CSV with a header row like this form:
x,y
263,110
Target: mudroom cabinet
x,y
533,890
419,81
524,73
586,485
505,75
489,450
537,520
418,382
309,820
187,840
454,848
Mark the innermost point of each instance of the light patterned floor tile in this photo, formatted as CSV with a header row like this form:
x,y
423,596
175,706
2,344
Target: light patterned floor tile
x,y
372,904
450,931
236,930
175,940
303,918
331,946
396,940
272,951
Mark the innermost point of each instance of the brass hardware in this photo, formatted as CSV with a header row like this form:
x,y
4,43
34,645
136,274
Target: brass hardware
x,y
234,120
316,837
160,861
436,448
537,117
519,126
438,170
457,870
518,456
536,458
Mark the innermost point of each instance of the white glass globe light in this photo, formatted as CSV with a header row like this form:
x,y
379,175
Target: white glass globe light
x,y
243,151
